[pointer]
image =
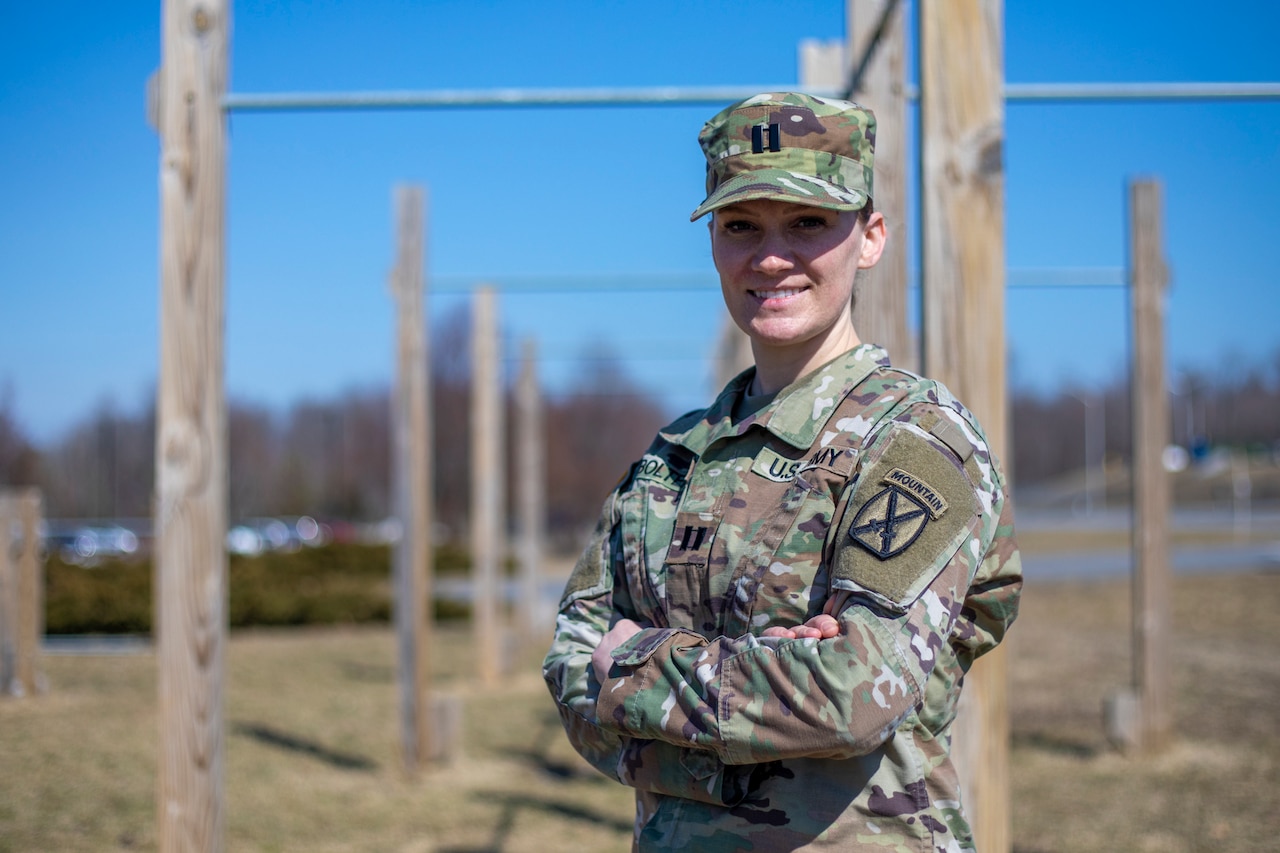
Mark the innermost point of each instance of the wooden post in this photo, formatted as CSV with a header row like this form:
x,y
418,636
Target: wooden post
x,y
487,538
9,605
1153,678
21,593
411,477
531,463
880,300
191,436
733,352
962,181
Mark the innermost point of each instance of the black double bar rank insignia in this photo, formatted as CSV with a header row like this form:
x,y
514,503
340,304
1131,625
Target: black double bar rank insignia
x,y
692,539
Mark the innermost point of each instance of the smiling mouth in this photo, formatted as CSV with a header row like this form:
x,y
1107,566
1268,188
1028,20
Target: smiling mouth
x,y
777,294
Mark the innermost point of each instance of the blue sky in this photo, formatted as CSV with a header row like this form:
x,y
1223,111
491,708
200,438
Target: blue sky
x,y
519,197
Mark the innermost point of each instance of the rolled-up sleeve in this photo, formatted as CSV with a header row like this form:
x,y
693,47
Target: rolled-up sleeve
x,y
587,609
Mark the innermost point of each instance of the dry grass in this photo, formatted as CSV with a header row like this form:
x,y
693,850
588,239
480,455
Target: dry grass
x,y
1218,786
311,743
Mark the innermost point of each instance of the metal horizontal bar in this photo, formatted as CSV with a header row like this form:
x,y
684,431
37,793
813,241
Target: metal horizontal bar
x,y
1140,91
708,282
447,98
579,282
679,95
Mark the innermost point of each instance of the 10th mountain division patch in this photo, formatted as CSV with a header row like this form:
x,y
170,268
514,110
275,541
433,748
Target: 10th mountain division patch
x,y
889,522
894,517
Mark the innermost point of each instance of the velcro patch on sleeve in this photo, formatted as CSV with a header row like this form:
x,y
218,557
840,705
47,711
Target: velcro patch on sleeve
x,y
912,508
590,572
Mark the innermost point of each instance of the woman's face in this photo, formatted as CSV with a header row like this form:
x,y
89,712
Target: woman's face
x,y
787,271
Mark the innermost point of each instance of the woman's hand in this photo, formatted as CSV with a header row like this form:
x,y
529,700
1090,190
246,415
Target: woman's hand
x,y
602,657
820,627
824,626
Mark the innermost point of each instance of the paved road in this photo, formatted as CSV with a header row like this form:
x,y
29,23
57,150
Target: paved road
x,y
1092,565
1260,554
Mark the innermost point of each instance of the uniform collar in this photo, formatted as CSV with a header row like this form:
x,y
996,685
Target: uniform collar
x,y
796,414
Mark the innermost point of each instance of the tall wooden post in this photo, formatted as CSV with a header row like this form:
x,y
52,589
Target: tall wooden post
x,y
21,593
487,537
1153,678
191,432
531,463
962,184
10,606
880,300
411,477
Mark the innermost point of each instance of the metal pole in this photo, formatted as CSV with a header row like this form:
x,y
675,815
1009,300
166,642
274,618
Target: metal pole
x,y
695,96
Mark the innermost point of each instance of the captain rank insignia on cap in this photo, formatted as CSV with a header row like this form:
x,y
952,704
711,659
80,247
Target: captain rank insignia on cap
x,y
892,519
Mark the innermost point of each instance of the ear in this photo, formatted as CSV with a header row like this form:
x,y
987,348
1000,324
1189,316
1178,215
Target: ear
x,y
874,235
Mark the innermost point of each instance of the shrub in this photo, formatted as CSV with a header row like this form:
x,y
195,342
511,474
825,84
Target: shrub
x,y
335,584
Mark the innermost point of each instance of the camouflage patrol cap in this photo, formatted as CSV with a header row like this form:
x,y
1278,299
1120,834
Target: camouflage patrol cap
x,y
790,147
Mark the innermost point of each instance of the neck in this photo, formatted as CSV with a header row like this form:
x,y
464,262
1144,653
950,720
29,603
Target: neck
x,y
778,367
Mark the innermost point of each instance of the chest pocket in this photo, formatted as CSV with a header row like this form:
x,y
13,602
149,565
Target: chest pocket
x,y
647,512
688,570
781,576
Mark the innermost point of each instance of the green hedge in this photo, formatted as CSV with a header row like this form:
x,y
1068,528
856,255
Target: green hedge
x,y
335,584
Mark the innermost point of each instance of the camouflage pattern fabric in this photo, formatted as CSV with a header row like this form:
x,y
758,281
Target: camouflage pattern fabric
x,y
790,147
859,478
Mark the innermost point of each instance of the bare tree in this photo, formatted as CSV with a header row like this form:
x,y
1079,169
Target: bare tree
x,y
19,459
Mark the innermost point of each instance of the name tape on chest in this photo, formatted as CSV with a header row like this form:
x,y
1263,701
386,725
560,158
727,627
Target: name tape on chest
x,y
652,467
774,466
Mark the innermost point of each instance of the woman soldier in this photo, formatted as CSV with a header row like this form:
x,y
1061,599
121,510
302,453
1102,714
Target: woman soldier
x,y
767,633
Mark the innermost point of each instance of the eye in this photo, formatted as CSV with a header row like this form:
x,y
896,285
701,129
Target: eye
x,y
737,226
810,222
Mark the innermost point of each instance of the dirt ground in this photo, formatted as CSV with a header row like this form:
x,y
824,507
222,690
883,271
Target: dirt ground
x,y
311,754
1216,788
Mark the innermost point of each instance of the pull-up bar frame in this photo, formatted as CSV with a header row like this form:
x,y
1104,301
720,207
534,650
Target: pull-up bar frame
x,y
694,96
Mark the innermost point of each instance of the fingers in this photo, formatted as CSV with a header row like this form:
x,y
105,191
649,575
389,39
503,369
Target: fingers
x,y
836,602
602,657
820,627
825,626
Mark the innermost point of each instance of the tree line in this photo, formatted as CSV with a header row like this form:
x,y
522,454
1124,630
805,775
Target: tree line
x,y
331,458
1239,409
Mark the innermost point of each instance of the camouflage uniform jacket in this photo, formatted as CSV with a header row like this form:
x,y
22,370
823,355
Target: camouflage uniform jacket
x,y
859,478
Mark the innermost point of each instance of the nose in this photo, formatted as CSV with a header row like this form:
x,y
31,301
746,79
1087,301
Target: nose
x,y
773,255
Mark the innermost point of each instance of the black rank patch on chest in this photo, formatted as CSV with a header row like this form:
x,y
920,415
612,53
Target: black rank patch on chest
x,y
889,522
691,541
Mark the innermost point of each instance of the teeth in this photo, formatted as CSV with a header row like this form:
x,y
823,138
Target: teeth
x,y
774,294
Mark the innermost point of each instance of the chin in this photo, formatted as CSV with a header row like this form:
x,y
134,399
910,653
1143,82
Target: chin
x,y
772,335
